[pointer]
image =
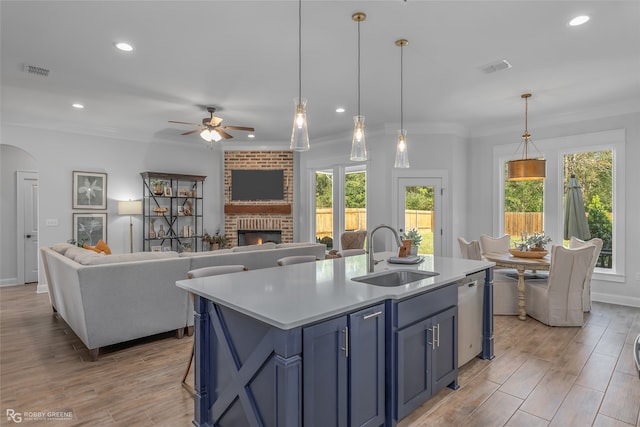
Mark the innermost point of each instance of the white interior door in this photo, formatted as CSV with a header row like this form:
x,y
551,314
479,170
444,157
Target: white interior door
x,y
428,219
27,226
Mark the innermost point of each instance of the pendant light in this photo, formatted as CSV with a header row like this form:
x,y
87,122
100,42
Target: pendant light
x,y
358,146
300,133
402,156
526,168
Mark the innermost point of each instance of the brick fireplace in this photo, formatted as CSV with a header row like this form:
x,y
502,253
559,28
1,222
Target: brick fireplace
x,y
253,219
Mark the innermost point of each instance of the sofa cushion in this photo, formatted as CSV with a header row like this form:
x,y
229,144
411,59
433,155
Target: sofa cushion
x,y
76,251
136,256
61,248
269,245
205,253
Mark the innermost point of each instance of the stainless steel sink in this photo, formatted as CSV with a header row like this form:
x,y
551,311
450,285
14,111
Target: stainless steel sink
x,y
395,277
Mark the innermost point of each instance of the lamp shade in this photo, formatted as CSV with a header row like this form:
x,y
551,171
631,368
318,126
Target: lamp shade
x,y
130,207
526,169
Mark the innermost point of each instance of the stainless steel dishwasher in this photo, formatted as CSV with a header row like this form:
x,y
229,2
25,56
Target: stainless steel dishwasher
x,y
470,300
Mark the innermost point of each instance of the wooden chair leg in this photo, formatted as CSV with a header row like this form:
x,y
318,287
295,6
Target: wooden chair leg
x,y
186,373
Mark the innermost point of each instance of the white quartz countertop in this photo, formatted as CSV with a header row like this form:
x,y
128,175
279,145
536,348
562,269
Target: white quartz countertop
x,y
296,295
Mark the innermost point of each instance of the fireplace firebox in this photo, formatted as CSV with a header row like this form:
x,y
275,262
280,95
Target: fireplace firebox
x,y
258,237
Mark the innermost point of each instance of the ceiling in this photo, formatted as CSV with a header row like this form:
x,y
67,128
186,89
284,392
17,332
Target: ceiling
x,y
242,57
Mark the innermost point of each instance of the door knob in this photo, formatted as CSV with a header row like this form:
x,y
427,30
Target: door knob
x,y
28,236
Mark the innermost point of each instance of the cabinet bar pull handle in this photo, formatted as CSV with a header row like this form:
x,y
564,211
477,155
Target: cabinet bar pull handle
x,y
436,339
345,331
433,341
369,316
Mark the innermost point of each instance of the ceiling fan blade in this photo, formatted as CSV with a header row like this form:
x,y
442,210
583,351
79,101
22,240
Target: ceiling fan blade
x,y
185,123
237,128
191,131
223,134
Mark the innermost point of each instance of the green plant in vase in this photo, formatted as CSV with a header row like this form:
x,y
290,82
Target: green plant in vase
x,y
537,241
416,239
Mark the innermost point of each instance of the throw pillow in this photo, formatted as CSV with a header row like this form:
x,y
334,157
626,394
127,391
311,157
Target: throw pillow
x,y
102,246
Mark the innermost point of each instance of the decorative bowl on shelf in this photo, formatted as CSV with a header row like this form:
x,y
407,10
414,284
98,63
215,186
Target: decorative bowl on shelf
x,y
528,254
160,211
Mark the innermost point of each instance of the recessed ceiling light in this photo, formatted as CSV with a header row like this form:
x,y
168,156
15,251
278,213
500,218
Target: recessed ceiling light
x,y
251,135
340,110
78,106
578,20
125,47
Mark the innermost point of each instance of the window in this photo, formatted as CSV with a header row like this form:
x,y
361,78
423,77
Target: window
x,y
593,171
341,202
594,158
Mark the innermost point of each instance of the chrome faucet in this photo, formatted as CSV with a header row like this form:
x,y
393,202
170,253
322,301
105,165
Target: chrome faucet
x,y
372,262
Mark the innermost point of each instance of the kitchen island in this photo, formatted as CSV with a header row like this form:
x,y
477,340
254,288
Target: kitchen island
x,y
306,345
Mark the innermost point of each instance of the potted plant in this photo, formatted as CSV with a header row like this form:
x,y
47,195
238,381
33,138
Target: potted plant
x,y
157,186
416,238
537,242
216,241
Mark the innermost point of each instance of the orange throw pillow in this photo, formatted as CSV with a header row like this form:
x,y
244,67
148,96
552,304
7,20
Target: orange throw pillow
x,y
99,248
103,247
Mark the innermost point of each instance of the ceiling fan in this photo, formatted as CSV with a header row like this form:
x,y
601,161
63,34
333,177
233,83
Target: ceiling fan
x,y
211,128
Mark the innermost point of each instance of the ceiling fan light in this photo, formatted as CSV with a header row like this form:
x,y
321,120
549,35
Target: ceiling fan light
x,y
215,136
206,135
358,146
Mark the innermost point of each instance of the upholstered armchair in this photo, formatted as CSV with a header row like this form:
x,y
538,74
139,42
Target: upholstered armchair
x,y
558,301
470,250
505,282
353,239
574,243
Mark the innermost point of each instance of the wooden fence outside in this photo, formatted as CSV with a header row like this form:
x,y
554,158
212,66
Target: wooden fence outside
x,y
515,223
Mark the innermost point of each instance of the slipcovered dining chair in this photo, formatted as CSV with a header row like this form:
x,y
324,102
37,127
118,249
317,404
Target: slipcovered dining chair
x,y
470,250
194,274
351,252
296,259
505,280
558,301
353,239
574,243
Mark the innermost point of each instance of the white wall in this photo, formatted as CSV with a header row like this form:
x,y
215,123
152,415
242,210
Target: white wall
x,y
58,154
481,187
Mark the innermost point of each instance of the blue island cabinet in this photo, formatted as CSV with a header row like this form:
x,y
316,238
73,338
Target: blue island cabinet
x,y
344,370
249,373
425,339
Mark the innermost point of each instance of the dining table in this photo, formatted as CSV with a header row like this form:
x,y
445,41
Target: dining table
x,y
521,264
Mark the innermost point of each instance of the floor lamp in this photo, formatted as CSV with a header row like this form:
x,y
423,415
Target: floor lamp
x,y
131,207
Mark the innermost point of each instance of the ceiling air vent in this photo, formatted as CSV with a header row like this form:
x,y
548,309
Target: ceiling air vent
x,y
503,64
37,71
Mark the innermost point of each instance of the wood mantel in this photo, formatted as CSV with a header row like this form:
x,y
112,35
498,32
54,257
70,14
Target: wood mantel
x,y
282,209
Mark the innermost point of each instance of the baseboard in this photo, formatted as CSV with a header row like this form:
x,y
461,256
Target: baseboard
x,y
616,299
42,288
13,281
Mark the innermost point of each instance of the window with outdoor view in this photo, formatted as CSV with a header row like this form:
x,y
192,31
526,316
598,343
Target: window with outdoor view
x,y
592,174
324,207
523,208
355,200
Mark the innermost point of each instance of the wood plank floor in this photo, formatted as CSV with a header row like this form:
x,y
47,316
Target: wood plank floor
x,y
541,376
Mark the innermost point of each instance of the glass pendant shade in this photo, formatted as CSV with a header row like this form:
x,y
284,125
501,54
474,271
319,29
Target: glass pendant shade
x,y
358,146
402,156
300,133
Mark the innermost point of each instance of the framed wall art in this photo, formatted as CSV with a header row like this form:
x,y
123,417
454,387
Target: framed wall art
x,y
89,190
89,228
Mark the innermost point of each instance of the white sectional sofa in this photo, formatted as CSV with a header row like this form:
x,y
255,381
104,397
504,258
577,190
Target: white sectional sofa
x,y
108,299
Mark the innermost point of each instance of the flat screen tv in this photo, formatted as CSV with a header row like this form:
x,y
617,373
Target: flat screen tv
x,y
261,184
